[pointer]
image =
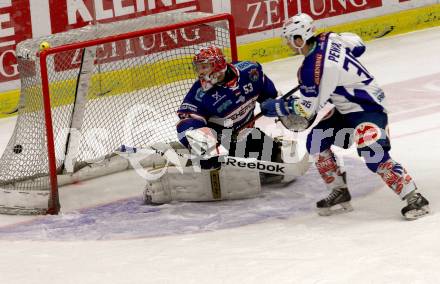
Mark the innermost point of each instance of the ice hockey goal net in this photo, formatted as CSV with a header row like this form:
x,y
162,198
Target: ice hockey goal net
x,y
94,89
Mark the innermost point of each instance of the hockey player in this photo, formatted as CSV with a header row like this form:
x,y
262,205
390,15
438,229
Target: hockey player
x,y
221,101
331,72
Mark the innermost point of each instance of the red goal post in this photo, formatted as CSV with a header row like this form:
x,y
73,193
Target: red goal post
x,y
86,90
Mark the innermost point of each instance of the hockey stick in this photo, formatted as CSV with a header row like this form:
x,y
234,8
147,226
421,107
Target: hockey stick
x,y
83,81
250,123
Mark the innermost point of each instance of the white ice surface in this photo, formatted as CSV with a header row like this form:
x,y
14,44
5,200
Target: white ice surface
x,y
284,241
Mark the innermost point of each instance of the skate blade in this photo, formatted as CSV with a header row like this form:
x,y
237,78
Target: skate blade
x,y
337,209
417,213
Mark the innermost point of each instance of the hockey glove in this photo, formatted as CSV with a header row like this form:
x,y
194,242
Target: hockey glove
x,y
277,107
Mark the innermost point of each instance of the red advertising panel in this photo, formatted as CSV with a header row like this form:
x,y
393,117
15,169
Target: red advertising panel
x,y
257,15
70,14
15,26
140,46
250,16
329,8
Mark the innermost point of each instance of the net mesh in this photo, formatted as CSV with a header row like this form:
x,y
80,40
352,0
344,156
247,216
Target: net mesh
x,y
135,87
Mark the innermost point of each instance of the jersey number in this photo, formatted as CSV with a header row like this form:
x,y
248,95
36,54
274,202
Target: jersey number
x,y
248,88
307,104
361,71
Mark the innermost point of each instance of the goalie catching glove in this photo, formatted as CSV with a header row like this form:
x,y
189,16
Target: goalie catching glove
x,y
204,144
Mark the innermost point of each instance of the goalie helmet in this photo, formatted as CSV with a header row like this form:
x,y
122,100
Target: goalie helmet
x,y
299,25
210,65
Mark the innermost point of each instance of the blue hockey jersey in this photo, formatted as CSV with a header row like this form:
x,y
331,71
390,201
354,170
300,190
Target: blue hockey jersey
x,y
331,72
228,105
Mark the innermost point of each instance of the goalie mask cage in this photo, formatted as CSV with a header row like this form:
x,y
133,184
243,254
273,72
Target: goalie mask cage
x,y
86,92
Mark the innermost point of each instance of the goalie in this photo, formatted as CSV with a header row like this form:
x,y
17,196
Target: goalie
x,y
217,119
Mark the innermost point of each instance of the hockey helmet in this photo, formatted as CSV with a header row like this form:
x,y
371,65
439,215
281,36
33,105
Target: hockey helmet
x,y
210,65
299,25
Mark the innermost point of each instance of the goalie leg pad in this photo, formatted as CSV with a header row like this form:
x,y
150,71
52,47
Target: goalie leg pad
x,y
207,185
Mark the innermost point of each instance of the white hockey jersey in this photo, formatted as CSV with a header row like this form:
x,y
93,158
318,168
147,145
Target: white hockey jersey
x,y
332,73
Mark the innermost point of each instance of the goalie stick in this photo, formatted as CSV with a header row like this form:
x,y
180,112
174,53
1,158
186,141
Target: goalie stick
x,y
252,164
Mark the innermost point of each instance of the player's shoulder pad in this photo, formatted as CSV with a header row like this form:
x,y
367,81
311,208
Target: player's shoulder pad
x,y
246,65
250,70
353,43
196,92
193,99
351,38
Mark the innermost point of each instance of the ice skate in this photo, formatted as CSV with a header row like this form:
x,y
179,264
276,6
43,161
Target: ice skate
x,y
417,207
337,202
